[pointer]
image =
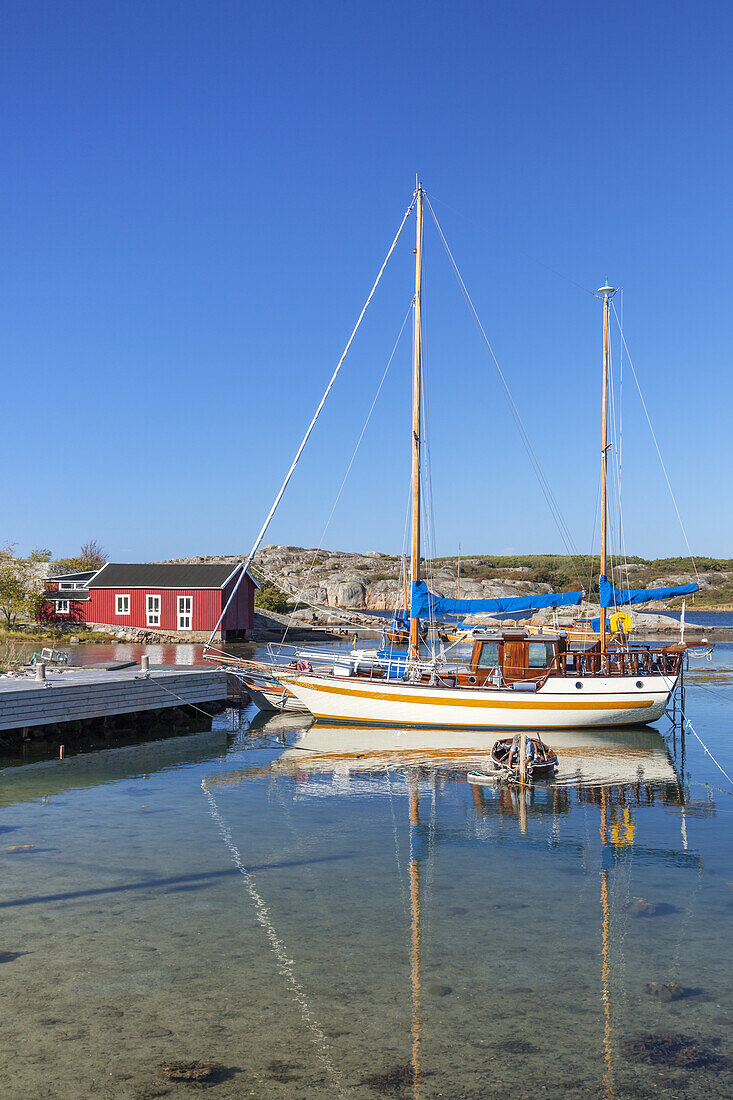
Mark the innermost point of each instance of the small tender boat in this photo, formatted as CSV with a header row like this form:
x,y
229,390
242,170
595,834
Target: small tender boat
x,y
398,631
541,762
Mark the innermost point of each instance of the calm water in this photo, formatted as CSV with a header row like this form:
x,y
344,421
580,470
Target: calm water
x,y
324,911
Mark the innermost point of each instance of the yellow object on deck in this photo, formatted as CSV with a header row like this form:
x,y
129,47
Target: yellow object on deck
x,y
621,621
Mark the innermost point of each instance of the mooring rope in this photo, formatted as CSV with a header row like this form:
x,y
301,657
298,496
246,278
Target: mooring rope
x,y
179,697
689,726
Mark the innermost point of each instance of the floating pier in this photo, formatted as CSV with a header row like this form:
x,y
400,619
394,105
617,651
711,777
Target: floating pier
x,y
82,695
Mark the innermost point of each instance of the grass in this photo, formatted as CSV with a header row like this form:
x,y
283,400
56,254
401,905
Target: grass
x,y
11,657
30,637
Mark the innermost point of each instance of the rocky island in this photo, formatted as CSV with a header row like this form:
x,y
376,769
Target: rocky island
x,y
336,586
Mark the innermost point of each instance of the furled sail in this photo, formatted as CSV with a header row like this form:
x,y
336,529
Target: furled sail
x,y
427,606
617,597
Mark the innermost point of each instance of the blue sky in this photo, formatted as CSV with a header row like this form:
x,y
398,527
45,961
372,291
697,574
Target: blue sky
x,y
196,198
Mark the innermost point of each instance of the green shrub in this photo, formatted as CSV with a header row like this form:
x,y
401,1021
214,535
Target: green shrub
x,y
270,598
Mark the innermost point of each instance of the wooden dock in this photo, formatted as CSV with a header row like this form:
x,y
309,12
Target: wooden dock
x,y
78,694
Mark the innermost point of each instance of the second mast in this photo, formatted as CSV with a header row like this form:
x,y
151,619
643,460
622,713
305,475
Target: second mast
x,y
416,407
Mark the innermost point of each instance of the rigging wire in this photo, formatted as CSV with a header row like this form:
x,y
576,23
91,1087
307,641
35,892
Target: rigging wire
x,y
428,513
544,484
656,444
312,424
516,248
619,451
304,585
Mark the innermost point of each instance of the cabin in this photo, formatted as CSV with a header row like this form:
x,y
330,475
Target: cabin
x,y
186,600
523,661
513,656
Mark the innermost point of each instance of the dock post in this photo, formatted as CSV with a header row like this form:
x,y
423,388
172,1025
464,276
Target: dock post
x,y
40,670
145,663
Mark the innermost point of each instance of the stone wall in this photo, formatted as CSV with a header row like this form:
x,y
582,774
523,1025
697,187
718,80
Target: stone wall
x,y
145,634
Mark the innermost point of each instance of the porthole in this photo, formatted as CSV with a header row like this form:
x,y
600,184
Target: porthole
x,y
579,683
472,679
640,683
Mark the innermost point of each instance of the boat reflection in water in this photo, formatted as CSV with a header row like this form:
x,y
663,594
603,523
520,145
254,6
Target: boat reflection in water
x,y
613,757
619,772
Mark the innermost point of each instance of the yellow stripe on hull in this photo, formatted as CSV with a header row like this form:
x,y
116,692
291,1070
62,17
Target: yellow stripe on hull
x,y
608,703
510,704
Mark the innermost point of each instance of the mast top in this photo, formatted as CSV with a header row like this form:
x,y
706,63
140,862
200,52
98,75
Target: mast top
x,y
607,291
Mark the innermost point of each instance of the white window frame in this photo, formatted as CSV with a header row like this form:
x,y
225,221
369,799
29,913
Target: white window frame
x,y
152,615
62,607
183,615
122,603
69,584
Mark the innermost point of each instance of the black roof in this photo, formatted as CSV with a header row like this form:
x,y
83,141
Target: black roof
x,y
81,578
142,575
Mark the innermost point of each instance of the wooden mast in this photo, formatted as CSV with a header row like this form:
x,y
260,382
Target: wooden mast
x,y
607,292
416,934
416,370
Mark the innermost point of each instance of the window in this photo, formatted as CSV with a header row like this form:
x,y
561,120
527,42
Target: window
x,y
185,609
122,605
489,655
541,654
69,584
153,610
62,607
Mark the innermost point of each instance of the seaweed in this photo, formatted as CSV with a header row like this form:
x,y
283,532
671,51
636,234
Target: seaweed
x,y
516,1046
394,1082
282,1071
668,1048
665,991
640,907
192,1071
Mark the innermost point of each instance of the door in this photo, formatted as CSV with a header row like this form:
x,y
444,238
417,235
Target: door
x,y
153,610
515,658
185,610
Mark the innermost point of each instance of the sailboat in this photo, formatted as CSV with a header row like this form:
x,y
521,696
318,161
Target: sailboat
x,y
513,679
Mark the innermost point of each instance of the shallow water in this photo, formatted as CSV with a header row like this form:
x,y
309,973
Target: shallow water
x,y
258,896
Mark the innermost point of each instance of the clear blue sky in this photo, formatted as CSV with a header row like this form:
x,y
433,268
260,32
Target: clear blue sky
x,y
196,197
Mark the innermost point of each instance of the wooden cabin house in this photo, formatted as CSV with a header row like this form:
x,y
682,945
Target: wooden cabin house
x,y
181,599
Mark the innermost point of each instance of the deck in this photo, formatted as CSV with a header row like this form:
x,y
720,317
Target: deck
x,y
80,693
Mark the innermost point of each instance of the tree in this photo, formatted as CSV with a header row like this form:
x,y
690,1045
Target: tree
x,y
22,587
271,598
91,556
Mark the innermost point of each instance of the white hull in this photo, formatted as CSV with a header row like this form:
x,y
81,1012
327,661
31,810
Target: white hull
x,y
558,704
275,699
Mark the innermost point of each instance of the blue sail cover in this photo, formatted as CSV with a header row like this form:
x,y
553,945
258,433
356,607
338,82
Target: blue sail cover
x,y
617,597
401,621
427,606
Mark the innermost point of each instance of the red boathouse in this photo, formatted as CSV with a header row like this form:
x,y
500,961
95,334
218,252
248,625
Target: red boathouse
x,y
185,599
